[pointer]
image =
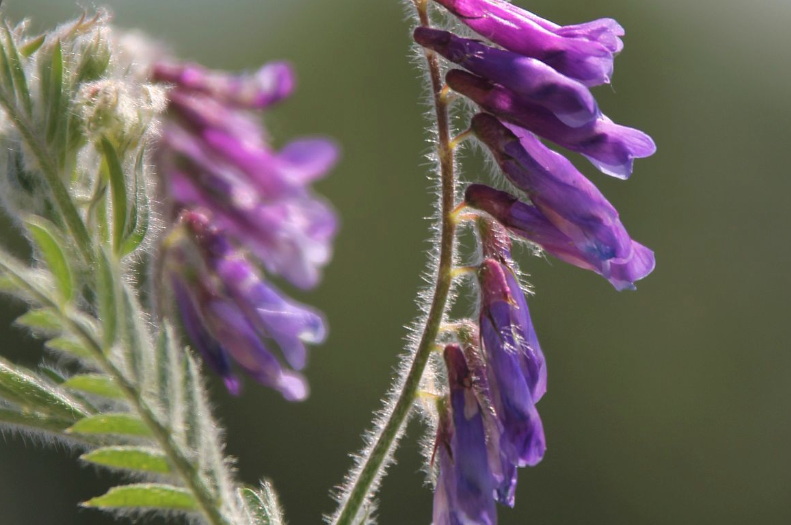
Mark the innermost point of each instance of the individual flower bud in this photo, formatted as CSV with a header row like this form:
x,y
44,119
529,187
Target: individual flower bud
x,y
516,369
584,52
610,147
528,222
465,485
570,101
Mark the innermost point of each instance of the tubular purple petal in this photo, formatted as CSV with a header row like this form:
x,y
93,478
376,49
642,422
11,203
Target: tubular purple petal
x,y
569,200
514,368
466,485
529,223
610,147
570,101
584,52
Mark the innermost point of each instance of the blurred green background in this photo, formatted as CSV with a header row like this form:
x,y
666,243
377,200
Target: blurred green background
x,y
668,405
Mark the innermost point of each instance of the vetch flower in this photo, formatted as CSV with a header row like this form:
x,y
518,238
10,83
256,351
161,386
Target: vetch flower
x,y
515,366
227,309
569,100
465,485
563,195
584,52
528,222
610,147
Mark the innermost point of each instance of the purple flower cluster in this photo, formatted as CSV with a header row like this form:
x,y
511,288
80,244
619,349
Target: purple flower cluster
x,y
232,194
530,81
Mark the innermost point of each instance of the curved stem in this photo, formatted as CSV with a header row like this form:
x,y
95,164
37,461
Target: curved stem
x,y
442,286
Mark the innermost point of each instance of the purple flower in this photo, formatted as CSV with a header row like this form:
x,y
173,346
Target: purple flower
x,y
465,484
584,52
529,223
227,309
561,193
269,85
218,329
214,156
516,370
570,101
289,324
610,147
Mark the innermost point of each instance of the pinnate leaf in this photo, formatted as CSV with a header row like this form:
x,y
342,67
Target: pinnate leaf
x,y
141,459
145,496
118,424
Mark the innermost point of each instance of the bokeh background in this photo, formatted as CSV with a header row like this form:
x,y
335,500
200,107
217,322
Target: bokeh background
x,y
668,405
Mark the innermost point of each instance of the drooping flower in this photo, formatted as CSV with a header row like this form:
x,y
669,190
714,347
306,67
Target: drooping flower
x,y
228,309
528,222
465,485
610,147
584,52
560,192
515,364
569,100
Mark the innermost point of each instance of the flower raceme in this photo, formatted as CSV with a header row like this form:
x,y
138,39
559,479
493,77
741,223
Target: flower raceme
x,y
233,194
530,80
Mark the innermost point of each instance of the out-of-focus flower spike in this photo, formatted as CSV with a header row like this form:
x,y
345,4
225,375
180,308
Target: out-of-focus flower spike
x,y
529,223
610,147
570,101
583,52
270,84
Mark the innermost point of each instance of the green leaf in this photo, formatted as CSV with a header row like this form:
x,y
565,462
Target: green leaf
x,y
120,424
139,215
56,116
41,320
32,46
33,421
50,245
145,496
69,346
262,505
108,305
95,384
115,173
17,71
24,388
130,458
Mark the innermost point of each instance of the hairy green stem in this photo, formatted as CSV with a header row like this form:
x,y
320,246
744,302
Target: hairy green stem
x,y
442,286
